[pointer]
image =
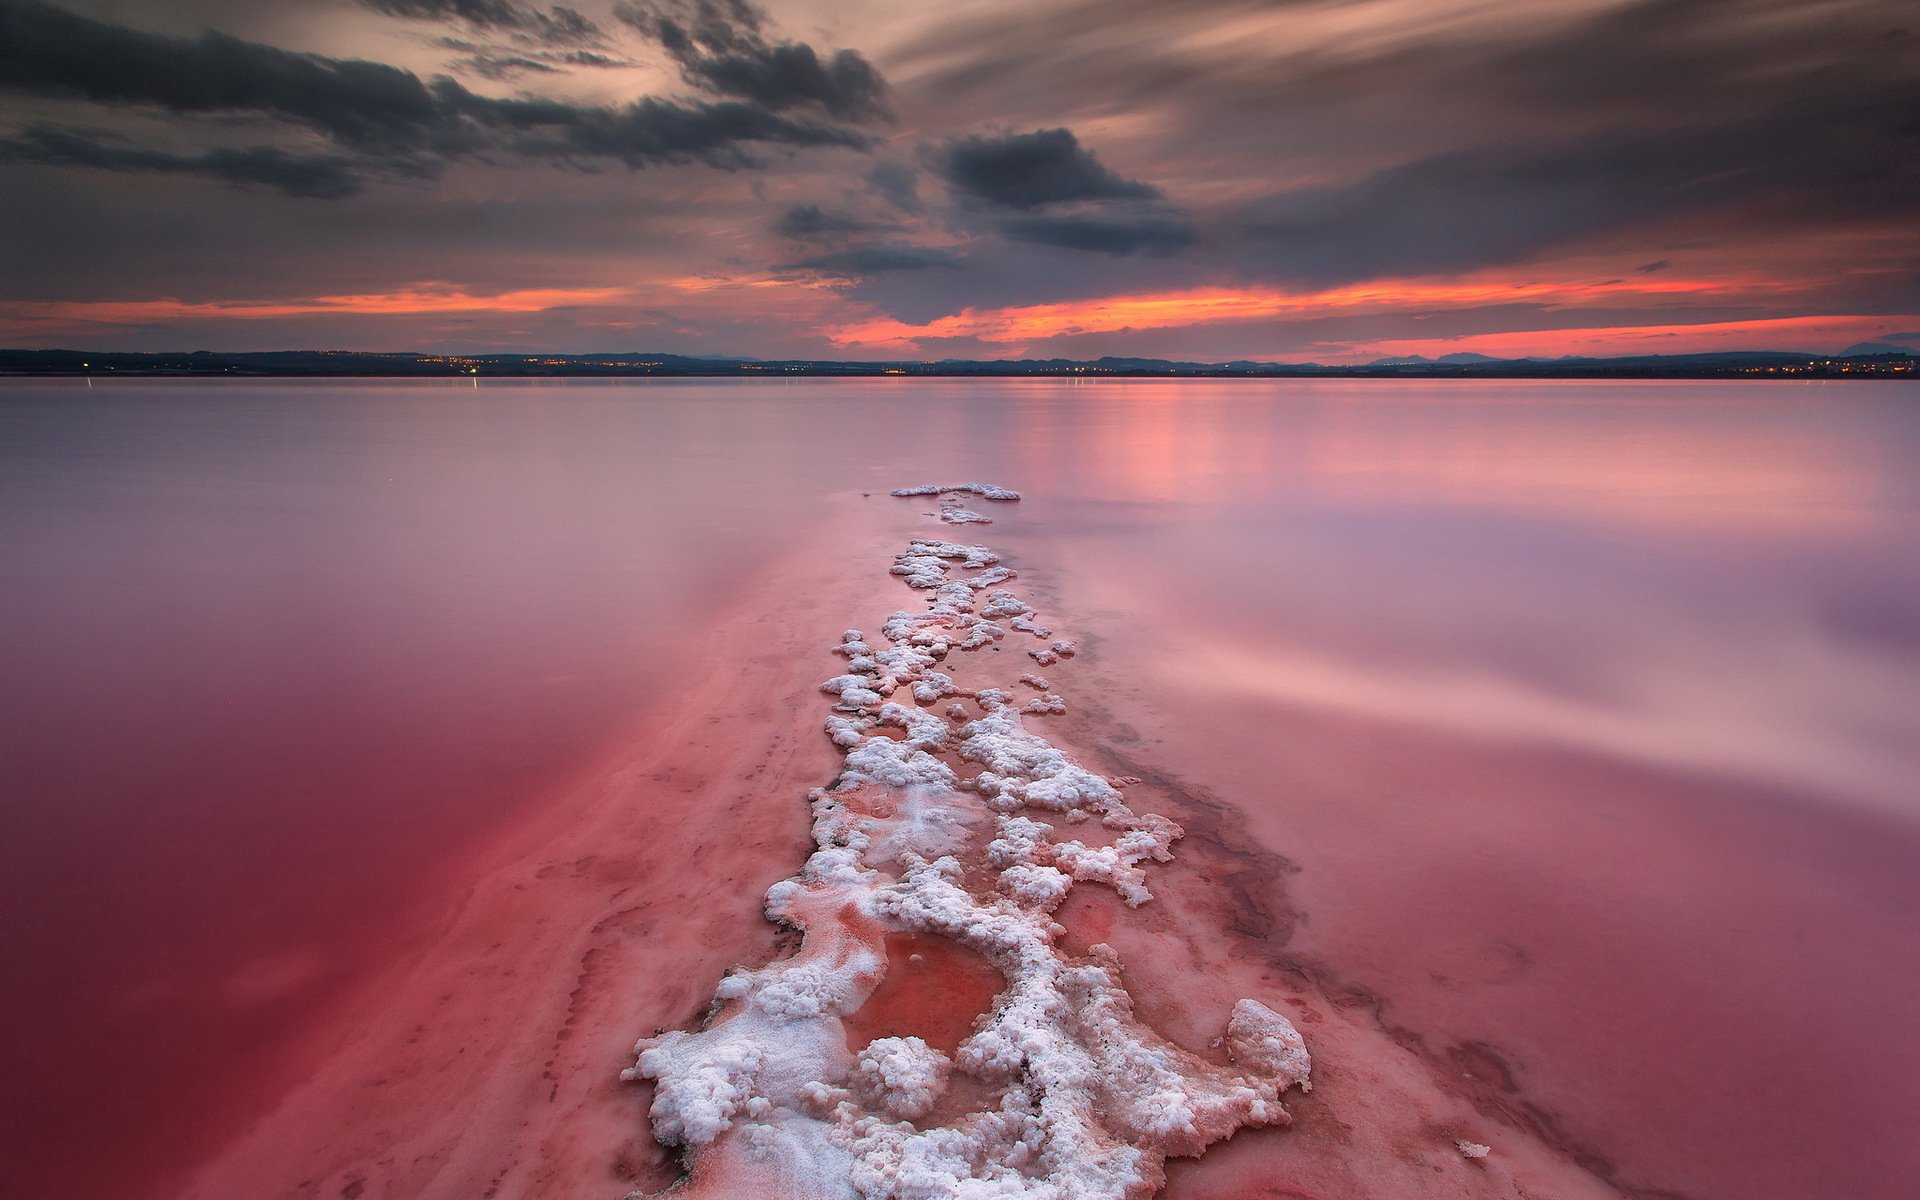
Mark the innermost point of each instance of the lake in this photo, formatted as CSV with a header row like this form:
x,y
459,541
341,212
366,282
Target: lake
x,y
1586,714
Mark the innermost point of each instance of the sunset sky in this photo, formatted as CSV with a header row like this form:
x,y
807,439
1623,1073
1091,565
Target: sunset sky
x,y
1329,180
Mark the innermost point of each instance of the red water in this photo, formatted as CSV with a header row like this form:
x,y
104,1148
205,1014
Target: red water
x,y
1585,710
934,989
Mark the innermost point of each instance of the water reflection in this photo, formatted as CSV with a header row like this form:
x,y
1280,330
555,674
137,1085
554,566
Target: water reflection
x,y
1613,680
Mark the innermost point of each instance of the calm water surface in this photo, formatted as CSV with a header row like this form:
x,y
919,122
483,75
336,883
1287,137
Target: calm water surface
x,y
1588,711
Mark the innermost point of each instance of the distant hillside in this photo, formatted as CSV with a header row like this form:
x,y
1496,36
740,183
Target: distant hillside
x,y
1871,360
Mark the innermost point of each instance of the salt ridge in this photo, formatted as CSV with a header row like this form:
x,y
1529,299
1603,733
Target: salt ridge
x,y
933,828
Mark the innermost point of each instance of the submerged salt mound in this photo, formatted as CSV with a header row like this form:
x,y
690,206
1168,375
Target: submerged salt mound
x,y
986,491
926,832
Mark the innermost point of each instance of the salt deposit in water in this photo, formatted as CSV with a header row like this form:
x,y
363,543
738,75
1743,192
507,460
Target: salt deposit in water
x,y
929,831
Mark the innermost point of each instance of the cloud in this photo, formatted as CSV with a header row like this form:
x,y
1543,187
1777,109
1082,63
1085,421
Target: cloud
x,y
316,176
790,76
481,14
503,66
1032,170
430,297
720,46
556,26
1188,307
1423,136
48,51
1148,234
881,258
377,111
686,27
897,184
810,222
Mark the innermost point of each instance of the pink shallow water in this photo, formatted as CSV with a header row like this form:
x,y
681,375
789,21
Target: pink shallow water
x,y
1585,710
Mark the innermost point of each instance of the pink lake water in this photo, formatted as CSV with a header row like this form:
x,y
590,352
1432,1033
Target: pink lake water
x,y
1587,712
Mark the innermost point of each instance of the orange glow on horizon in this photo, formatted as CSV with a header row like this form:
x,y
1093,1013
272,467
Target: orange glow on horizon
x,y
1210,306
423,298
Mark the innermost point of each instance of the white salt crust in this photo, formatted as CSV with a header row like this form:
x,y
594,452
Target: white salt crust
x,y
985,491
931,829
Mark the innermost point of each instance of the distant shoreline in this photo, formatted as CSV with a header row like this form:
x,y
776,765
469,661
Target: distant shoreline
x,y
355,364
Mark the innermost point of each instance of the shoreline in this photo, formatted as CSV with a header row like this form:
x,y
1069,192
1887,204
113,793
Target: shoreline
x,y
545,1112
542,964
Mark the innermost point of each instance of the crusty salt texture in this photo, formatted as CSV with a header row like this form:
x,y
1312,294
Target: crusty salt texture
x,y
933,828
985,491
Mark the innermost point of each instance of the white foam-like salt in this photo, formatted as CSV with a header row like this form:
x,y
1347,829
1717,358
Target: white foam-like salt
x,y
985,491
1087,1101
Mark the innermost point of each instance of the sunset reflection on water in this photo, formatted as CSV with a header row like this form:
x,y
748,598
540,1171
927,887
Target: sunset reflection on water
x,y
1585,709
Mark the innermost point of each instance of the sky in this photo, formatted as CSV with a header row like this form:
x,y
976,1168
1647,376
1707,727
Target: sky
x,y
1292,180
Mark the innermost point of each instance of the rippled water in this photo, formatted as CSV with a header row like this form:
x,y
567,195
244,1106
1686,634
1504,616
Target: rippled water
x,y
1587,711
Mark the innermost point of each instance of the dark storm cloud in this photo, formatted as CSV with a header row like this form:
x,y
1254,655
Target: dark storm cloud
x,y
374,110
481,14
1031,170
720,47
1461,144
319,176
503,66
556,26
882,258
897,184
48,51
648,132
500,62
1147,234
792,75
688,27
1801,164
811,223
589,58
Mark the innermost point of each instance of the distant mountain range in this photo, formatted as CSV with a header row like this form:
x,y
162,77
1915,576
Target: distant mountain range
x,y
1869,359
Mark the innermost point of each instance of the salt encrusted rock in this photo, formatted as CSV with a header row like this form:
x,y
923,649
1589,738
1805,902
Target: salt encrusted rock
x,y
932,686
701,1085
1088,1102
1019,840
856,692
963,516
1262,1040
1040,888
1026,769
1472,1149
985,491
920,570
896,765
900,1077
922,728
1026,624
971,557
1001,603
847,732
1042,706
987,579
853,645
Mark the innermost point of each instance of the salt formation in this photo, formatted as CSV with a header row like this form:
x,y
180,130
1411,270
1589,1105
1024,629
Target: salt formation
x,y
934,829
985,491
952,510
